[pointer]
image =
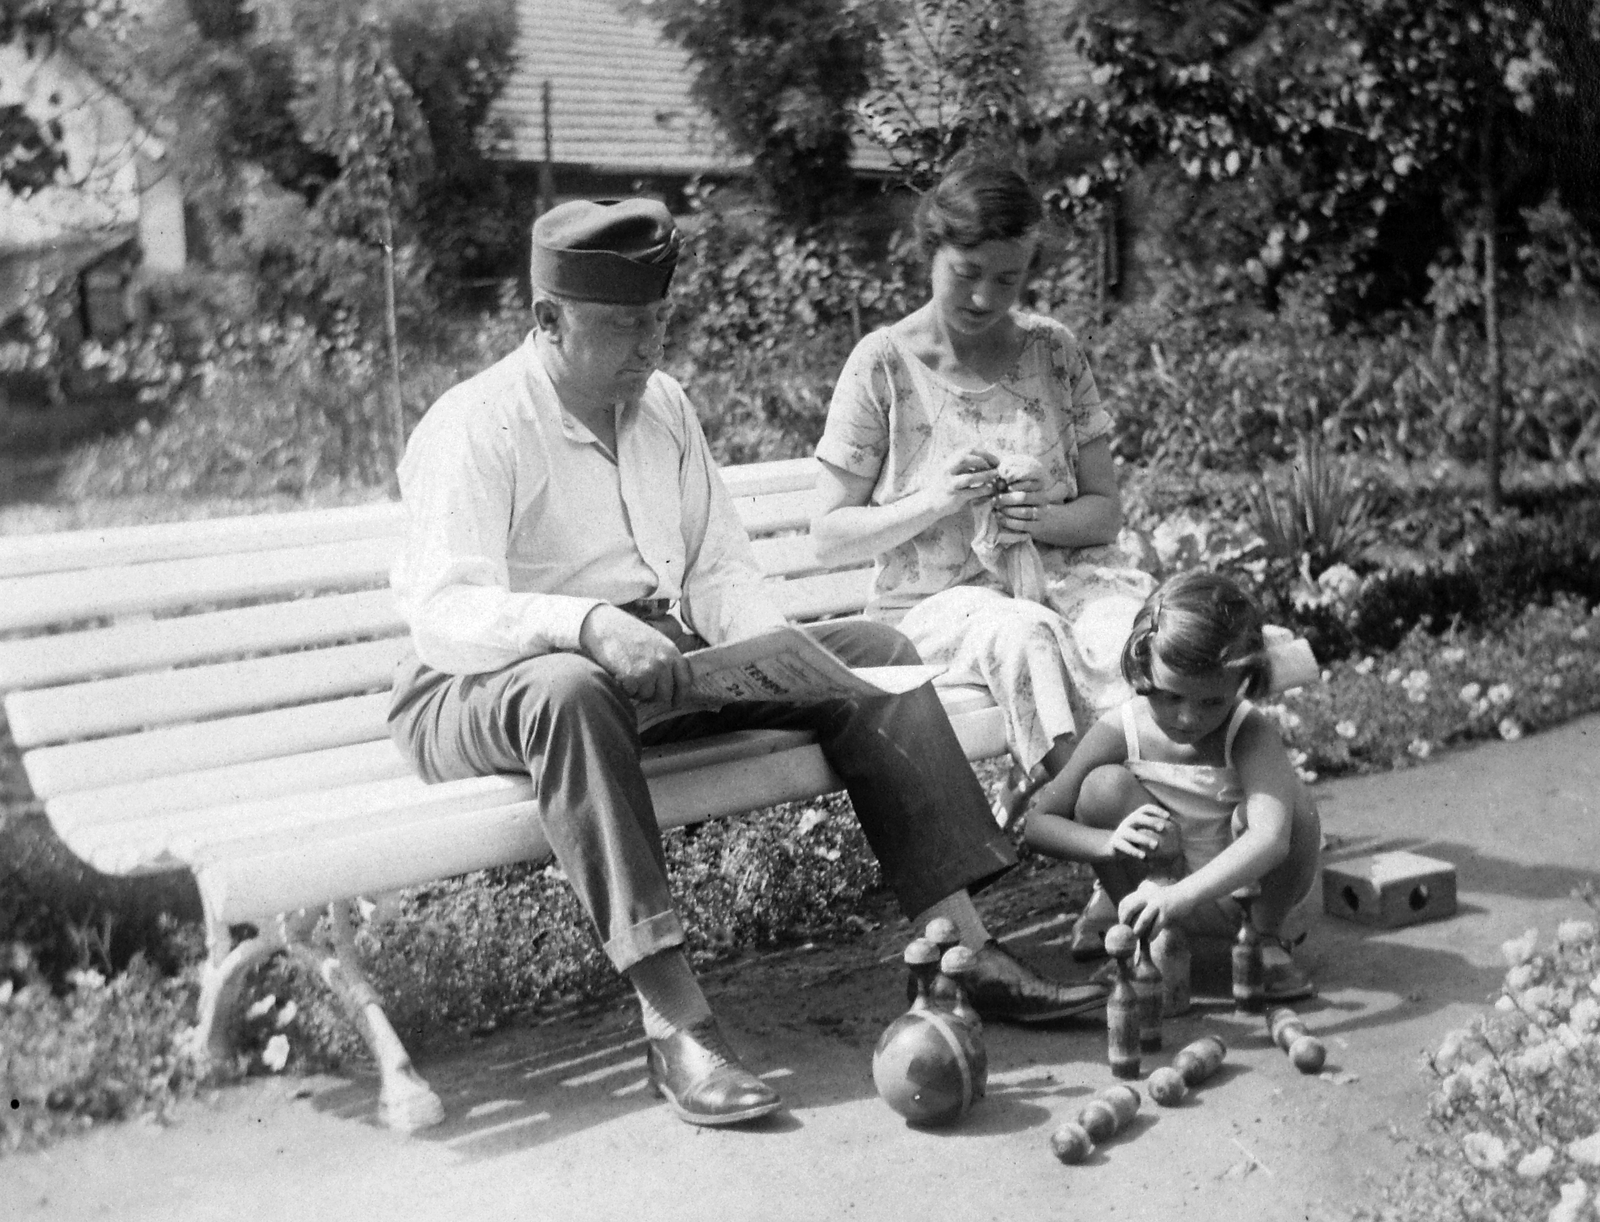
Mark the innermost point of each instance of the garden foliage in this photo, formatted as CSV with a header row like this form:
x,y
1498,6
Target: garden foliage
x,y
1517,1109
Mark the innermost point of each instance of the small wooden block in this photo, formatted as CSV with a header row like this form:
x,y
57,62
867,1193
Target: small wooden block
x,y
1389,889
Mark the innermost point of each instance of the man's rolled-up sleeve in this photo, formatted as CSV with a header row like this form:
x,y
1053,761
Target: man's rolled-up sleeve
x,y
451,579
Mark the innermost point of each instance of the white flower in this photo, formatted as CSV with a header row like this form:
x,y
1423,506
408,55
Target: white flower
x,y
260,1008
1539,997
286,1015
1520,950
1500,694
1509,729
811,819
1394,676
1574,1196
1298,758
1307,775
1345,729
1341,581
1574,933
1482,707
86,979
1585,1015
1484,1151
1505,1003
1471,692
1364,667
1449,1051
1420,747
1453,655
1519,977
1585,1150
276,1054
1534,1164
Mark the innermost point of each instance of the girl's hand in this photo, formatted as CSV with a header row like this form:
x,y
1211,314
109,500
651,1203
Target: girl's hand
x,y
1147,831
968,477
1152,908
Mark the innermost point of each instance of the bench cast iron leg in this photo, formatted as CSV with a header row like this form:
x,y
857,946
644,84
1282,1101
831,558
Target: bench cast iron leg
x,y
405,1101
221,980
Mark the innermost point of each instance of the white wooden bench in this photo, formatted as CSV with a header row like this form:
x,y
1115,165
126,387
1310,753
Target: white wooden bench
x,y
211,696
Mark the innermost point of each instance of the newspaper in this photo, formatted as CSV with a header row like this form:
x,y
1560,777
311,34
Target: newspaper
x,y
786,665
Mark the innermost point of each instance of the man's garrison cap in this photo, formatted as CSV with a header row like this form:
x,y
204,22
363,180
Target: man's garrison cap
x,y
621,251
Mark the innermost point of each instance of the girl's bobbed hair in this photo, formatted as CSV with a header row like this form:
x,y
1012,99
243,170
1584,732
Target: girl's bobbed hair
x,y
1198,622
981,198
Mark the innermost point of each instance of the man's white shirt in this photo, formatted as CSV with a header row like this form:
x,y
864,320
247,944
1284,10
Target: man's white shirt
x,y
519,524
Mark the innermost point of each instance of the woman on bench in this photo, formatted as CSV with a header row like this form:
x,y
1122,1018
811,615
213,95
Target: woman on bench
x,y
966,452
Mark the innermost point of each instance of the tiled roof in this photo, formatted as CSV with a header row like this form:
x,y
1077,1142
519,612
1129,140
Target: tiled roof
x,y
619,89
619,93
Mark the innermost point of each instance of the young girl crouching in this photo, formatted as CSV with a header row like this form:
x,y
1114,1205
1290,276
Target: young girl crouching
x,y
1184,796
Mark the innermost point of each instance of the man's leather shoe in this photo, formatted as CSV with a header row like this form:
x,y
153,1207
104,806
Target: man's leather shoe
x,y
697,1074
1003,988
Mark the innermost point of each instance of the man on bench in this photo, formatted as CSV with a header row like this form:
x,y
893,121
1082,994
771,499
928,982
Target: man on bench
x,y
559,505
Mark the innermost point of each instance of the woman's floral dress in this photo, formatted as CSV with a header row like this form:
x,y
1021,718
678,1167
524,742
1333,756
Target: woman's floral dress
x,y
1051,668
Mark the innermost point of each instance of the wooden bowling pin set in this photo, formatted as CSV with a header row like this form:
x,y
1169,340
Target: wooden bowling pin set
x,y
930,1064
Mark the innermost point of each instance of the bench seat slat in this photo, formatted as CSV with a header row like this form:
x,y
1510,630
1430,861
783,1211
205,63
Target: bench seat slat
x,y
212,744
335,768
308,772
141,702
395,853
59,598
115,839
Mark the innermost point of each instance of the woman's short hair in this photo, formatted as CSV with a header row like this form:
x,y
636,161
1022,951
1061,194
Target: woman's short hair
x,y
1198,622
980,199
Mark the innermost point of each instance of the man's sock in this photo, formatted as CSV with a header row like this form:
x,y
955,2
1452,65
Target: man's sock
x,y
669,995
958,907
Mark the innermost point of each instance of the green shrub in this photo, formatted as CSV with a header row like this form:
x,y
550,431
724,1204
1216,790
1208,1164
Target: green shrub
x,y
1394,709
101,1050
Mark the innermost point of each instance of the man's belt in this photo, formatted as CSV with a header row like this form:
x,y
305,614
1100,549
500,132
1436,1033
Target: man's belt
x,y
647,608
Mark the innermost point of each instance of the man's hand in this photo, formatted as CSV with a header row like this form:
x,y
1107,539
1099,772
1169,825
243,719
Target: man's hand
x,y
645,664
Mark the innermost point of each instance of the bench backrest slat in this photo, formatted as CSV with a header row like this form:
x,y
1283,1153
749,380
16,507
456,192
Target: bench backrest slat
x,y
146,645
61,598
115,546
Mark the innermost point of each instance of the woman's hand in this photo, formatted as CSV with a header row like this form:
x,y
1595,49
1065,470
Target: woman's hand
x,y
966,478
1152,907
1146,832
1023,505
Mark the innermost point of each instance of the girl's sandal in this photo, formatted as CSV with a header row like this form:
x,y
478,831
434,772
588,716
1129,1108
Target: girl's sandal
x,y
1089,930
1015,793
1283,981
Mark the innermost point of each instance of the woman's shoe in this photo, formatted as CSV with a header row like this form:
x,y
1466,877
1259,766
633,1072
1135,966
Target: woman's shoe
x,y
1089,930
